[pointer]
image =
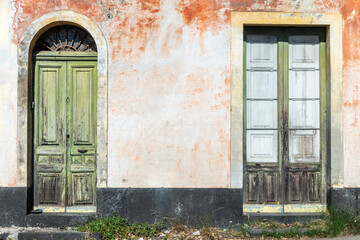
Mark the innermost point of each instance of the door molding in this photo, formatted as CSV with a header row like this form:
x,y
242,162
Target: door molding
x,y
333,23
24,94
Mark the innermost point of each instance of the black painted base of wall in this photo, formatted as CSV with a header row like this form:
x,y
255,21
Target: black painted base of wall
x,y
345,198
218,207
12,206
13,212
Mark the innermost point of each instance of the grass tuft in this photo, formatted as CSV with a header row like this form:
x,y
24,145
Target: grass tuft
x,y
118,227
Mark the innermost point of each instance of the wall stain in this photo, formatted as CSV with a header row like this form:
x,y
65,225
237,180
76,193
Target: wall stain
x,y
204,14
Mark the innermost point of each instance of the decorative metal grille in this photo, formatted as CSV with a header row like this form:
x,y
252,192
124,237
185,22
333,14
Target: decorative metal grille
x,y
66,38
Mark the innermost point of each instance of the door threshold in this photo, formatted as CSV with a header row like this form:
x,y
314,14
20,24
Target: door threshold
x,y
287,208
70,210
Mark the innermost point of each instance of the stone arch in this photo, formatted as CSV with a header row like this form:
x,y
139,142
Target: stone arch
x,y
24,122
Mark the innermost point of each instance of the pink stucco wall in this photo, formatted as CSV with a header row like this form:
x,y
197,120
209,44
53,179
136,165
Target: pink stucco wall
x,y
169,84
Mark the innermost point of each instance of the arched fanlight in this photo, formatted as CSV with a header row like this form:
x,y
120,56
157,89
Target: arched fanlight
x,y
66,38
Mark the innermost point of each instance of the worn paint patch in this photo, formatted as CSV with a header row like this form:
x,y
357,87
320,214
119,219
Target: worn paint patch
x,y
262,208
51,209
351,123
351,51
81,209
287,208
286,5
204,14
72,209
351,18
136,28
139,14
305,208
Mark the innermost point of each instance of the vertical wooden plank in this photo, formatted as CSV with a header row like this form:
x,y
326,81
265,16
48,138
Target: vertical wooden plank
x,y
325,171
282,114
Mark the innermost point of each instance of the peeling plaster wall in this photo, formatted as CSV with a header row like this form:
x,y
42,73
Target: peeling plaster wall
x,y
169,85
8,72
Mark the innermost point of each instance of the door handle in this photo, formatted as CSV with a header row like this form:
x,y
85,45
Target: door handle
x,y
82,150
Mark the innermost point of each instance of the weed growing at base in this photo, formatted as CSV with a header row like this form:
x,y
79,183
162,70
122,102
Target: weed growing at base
x,y
331,224
118,227
334,223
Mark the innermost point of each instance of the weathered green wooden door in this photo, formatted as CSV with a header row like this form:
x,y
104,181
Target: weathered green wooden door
x,y
65,133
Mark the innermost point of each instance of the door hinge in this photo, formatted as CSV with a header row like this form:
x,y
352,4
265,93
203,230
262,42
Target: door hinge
x,y
32,105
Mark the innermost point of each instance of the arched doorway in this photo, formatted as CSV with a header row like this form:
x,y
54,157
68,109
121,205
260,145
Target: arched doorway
x,y
65,120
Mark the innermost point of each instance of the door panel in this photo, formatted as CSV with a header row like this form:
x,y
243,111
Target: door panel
x,y
262,85
82,122
304,146
254,186
295,187
304,114
49,134
49,117
314,181
262,114
261,52
271,182
82,127
262,146
304,52
304,84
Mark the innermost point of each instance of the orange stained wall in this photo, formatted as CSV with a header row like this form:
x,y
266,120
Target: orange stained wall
x,y
169,83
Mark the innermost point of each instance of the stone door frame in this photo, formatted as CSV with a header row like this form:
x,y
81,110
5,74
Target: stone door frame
x,y
24,92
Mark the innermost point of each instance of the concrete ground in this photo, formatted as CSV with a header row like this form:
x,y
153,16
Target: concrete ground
x,y
357,237
19,233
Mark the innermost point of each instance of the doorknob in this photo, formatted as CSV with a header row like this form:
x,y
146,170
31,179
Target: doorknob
x,y
82,150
